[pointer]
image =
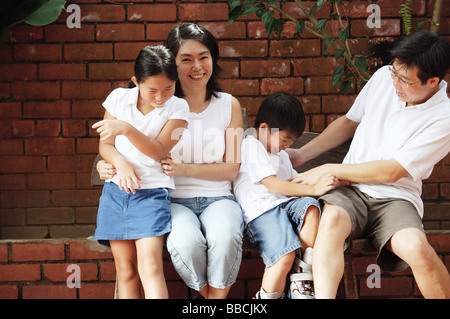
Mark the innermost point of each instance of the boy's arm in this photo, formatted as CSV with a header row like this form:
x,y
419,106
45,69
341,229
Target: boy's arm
x,y
288,188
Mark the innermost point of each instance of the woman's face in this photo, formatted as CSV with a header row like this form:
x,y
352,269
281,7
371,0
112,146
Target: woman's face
x,y
195,65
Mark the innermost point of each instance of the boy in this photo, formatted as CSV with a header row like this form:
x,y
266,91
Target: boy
x,y
276,223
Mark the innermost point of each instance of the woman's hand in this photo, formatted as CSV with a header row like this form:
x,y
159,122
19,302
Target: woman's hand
x,y
105,170
110,128
173,166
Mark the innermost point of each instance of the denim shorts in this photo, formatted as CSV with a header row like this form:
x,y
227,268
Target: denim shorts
x,y
275,233
123,216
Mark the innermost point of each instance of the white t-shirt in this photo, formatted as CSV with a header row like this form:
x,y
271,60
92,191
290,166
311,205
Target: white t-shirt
x,y
417,136
257,164
203,141
121,104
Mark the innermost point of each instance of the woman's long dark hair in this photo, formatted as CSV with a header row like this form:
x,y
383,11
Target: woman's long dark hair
x,y
190,31
154,60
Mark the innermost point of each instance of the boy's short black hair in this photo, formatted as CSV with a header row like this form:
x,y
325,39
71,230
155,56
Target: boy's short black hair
x,y
282,111
426,50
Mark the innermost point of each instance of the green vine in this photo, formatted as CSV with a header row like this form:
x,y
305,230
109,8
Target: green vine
x,y
405,12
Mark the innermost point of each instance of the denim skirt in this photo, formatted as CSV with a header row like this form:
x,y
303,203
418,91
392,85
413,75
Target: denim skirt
x,y
123,216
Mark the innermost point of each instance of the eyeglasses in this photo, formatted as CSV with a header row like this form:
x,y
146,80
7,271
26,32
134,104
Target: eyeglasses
x,y
404,84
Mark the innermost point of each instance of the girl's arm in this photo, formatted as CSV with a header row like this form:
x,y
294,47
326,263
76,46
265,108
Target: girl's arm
x,y
227,170
127,176
155,148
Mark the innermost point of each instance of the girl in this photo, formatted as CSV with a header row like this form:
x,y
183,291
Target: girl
x,y
206,239
136,132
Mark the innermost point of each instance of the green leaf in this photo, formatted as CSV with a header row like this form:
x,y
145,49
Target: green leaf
x,y
361,63
339,53
46,14
320,25
344,87
327,43
337,75
300,26
343,35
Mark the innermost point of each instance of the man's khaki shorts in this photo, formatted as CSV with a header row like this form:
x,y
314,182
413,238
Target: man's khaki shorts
x,y
376,219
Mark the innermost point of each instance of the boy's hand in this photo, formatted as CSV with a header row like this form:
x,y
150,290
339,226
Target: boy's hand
x,y
325,184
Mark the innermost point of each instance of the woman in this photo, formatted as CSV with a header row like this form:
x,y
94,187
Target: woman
x,y
206,239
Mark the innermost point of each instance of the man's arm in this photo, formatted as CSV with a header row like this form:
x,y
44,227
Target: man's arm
x,y
338,132
382,171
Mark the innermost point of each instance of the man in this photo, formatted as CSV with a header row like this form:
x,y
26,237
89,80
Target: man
x,y
400,125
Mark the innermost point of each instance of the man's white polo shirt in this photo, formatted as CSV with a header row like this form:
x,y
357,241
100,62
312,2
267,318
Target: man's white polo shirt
x,y
416,136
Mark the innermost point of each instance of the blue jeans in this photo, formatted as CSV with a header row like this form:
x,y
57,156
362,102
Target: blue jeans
x,y
206,240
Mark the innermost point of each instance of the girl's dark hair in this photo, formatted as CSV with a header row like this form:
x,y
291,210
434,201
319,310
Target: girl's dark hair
x,y
154,60
283,111
426,50
190,31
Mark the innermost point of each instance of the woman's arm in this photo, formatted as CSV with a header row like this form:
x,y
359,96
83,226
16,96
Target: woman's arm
x,y
227,170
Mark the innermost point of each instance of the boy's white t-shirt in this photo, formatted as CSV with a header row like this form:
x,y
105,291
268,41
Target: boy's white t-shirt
x,y
121,103
257,164
417,136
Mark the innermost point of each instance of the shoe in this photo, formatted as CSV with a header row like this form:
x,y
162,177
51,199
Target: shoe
x,y
261,294
301,279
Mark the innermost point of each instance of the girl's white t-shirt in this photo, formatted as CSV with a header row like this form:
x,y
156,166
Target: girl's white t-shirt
x,y
122,104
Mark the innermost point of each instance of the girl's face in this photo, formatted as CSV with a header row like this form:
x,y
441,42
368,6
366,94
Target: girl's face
x,y
155,90
195,65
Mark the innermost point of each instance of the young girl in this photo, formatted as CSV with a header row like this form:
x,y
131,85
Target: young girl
x,y
137,131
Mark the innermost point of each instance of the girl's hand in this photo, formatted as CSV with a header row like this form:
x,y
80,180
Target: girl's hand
x,y
110,128
105,170
127,177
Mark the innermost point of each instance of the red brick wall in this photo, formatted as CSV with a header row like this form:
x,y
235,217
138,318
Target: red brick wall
x,y
38,269
53,80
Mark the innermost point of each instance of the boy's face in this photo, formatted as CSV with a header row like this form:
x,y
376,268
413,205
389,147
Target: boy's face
x,y
276,140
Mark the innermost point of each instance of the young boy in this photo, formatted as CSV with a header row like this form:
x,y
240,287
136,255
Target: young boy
x,y
277,223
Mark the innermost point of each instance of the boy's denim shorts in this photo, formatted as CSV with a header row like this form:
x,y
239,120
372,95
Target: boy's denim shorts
x,y
275,233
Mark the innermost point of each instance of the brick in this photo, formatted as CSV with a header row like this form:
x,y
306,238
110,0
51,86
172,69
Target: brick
x,y
48,128
128,50
59,71
26,33
97,291
316,66
292,86
74,128
3,253
240,87
75,197
60,272
111,71
26,272
223,30
276,68
230,69
49,146
203,11
62,34
120,32
85,89
11,147
13,72
50,215
51,181
88,108
294,48
389,27
91,51
402,286
152,12
36,90
49,292
37,52
10,110
101,13
337,104
255,48
87,145
37,252
22,164
9,292
46,110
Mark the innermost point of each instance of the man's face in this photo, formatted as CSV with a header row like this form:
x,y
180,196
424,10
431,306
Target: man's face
x,y
408,86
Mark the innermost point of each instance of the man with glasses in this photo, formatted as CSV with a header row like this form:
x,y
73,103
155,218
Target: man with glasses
x,y
400,125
